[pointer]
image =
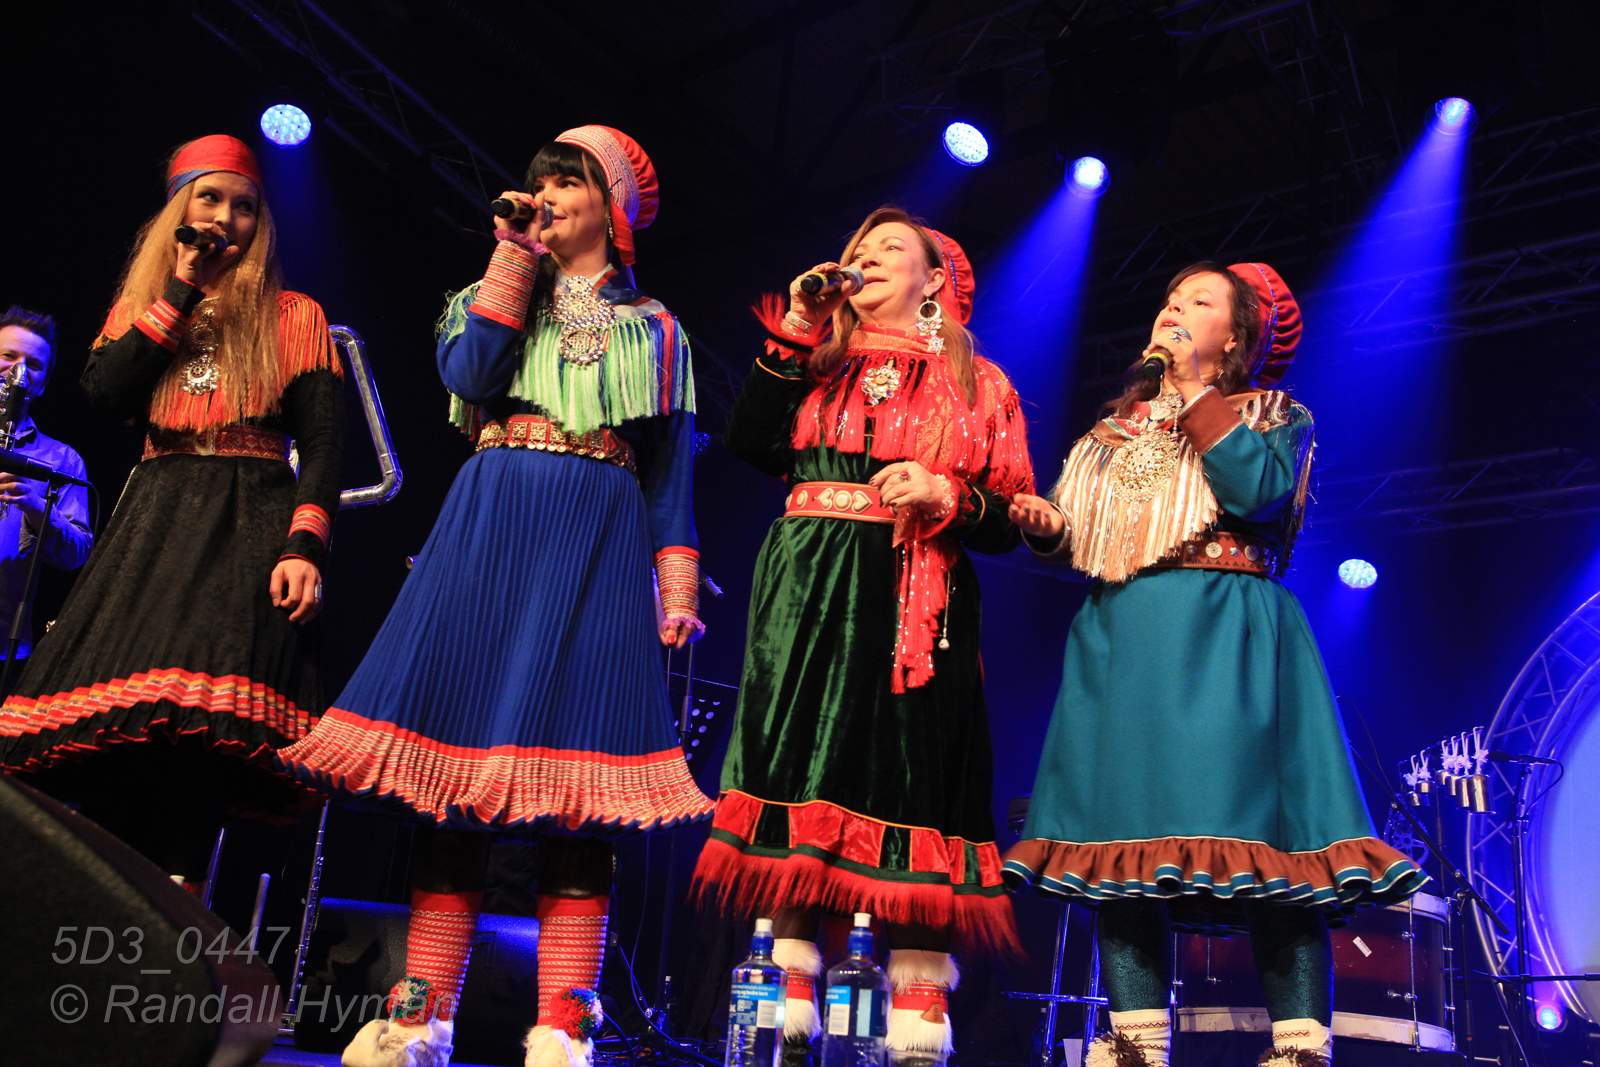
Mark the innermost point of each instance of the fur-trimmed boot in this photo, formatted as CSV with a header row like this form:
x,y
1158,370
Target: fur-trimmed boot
x,y
565,1034
410,1035
1136,1039
802,1025
919,1008
1299,1043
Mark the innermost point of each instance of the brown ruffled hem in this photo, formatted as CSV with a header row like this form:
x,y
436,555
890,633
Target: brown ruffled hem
x,y
1358,871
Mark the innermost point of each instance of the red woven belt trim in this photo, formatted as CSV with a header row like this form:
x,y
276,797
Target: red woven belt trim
x,y
250,442
837,500
540,434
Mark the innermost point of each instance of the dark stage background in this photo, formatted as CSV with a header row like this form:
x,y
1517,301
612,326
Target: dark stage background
x,y
1234,130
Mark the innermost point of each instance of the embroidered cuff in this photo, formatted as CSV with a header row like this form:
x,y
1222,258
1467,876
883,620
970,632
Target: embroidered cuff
x,y
163,321
1207,419
678,578
309,518
508,283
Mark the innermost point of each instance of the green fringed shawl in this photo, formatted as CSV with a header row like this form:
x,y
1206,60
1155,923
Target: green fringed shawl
x,y
645,371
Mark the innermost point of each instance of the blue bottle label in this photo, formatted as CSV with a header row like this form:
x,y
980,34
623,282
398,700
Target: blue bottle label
x,y
856,1012
757,1004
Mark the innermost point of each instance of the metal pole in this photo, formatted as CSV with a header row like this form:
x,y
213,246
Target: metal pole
x,y
1048,1051
308,921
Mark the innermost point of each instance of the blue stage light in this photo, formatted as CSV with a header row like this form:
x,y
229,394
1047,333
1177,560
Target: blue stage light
x,y
1452,113
1549,1016
966,143
286,125
1358,573
1089,174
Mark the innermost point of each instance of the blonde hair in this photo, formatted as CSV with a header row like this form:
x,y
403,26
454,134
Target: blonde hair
x,y
959,344
250,372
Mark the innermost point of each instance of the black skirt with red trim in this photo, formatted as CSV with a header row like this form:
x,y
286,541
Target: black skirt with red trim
x,y
169,638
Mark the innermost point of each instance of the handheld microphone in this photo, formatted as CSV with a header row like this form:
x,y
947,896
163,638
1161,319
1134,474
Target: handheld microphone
x,y
519,211
207,243
1156,364
826,281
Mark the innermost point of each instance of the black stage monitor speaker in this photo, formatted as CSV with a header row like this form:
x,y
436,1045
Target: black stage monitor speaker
x,y
104,960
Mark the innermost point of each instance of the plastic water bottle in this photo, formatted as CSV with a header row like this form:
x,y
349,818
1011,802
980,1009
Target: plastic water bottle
x,y
755,1008
856,1006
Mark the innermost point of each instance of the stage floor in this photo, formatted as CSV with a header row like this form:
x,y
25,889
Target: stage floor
x,y
284,1054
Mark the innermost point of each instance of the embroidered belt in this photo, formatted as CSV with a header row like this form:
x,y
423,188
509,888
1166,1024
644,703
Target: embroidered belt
x,y
542,435
250,442
1220,550
838,500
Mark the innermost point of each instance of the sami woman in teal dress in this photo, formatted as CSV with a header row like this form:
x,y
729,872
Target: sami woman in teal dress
x,y
1195,769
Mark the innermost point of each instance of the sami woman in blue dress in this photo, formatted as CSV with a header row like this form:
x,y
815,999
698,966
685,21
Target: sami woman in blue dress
x,y
517,682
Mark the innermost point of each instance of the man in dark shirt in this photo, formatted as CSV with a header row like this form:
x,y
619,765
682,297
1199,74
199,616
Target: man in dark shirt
x,y
28,338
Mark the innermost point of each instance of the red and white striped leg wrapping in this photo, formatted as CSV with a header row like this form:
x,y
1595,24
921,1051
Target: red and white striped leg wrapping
x,y
439,943
572,945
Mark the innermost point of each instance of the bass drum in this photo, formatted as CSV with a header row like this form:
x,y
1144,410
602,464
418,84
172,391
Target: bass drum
x,y
1389,981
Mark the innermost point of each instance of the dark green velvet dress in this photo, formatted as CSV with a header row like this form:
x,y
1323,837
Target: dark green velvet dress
x,y
839,792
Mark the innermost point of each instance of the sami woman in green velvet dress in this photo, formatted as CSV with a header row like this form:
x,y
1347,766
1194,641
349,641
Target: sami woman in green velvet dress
x,y
858,777
1195,767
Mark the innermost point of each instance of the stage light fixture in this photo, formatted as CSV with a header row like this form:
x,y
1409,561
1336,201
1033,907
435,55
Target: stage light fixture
x,y
1089,175
285,125
966,143
1453,114
1549,1016
1358,573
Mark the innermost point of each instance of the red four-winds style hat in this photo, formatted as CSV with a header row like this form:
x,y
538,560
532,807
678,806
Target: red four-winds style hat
x,y
1280,323
630,176
207,155
956,295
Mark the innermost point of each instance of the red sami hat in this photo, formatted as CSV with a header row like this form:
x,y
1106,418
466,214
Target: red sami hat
x,y
207,155
631,177
1280,322
959,284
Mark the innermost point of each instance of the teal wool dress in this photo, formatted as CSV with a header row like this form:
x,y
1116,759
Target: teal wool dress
x,y
1195,752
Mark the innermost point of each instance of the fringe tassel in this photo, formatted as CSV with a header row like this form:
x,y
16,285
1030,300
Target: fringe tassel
x,y
1115,537
646,371
304,345
740,884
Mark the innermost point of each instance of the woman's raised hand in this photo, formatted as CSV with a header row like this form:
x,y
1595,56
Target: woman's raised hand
x,y
814,307
202,267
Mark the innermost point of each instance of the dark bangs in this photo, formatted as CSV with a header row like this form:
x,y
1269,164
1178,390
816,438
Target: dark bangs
x,y
559,159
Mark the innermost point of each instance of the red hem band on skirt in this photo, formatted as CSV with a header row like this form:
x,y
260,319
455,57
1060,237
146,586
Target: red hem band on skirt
x,y
45,729
833,862
1362,870
505,786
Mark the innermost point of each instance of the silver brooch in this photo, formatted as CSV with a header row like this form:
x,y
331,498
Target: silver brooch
x,y
880,383
585,319
200,372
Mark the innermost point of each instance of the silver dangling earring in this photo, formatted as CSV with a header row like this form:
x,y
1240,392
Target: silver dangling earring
x,y
611,234
930,325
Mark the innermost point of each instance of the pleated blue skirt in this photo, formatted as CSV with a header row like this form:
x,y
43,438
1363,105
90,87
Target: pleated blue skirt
x,y
518,681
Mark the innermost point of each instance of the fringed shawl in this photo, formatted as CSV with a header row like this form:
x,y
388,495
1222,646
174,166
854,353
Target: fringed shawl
x,y
645,371
303,346
1114,537
927,420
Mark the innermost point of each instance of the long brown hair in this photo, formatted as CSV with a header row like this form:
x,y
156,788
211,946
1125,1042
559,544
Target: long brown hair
x,y
1234,375
250,372
959,344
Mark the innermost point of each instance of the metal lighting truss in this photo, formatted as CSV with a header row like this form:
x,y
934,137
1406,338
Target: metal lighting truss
x,y
1511,488
374,98
1531,185
1550,697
